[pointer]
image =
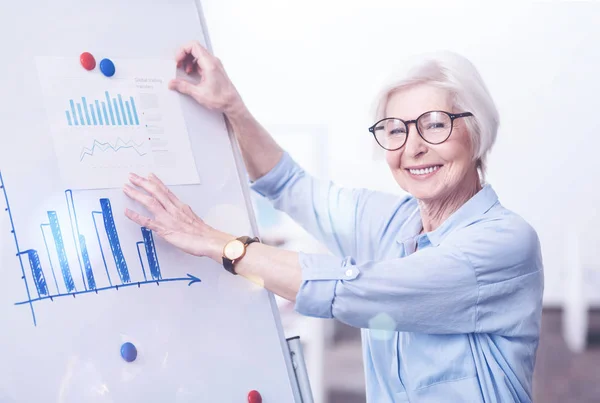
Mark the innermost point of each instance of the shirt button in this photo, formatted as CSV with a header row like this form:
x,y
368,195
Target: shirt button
x,y
349,272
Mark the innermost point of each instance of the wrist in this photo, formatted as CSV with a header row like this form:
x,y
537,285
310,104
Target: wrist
x,y
238,114
216,244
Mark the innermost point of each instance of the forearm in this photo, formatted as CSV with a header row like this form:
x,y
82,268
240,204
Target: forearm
x,y
259,150
275,269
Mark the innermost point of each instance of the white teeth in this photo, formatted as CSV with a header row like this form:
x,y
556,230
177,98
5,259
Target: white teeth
x,y
424,171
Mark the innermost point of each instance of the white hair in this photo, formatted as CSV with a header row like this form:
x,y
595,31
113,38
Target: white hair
x,y
460,78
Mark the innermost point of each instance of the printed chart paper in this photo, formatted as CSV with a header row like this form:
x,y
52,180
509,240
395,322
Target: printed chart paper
x,y
103,128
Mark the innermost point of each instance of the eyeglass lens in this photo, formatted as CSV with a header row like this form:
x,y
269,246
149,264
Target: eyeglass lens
x,y
434,127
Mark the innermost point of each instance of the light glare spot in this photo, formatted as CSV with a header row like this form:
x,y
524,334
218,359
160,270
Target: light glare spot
x,y
382,327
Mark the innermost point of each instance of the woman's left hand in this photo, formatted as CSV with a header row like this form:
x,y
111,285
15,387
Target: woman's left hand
x,y
173,220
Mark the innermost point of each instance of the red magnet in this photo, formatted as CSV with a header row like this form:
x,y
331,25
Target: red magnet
x,y
87,61
254,397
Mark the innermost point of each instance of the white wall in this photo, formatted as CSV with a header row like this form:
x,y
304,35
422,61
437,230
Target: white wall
x,y
321,61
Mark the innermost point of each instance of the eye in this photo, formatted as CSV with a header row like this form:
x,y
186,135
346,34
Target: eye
x,y
397,131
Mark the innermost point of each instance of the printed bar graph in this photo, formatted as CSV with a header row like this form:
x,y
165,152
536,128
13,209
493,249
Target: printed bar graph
x,y
93,114
80,114
122,109
85,108
73,114
109,111
99,112
117,114
104,112
135,115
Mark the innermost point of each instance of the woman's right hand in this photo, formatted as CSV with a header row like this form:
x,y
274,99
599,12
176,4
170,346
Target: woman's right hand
x,y
214,90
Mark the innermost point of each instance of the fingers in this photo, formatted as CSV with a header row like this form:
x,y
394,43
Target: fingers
x,y
166,191
193,54
154,189
183,86
149,202
143,221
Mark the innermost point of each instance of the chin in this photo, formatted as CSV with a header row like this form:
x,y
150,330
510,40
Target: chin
x,y
422,190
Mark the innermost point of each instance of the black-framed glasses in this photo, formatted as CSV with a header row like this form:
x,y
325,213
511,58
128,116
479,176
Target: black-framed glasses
x,y
434,127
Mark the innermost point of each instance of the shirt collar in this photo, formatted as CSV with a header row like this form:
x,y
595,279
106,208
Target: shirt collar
x,y
477,205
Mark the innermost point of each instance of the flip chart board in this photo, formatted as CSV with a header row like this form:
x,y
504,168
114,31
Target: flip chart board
x,y
94,308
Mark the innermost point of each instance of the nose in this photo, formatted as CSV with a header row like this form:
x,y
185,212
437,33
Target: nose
x,y
415,145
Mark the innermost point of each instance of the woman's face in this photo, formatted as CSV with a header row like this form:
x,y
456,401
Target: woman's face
x,y
429,171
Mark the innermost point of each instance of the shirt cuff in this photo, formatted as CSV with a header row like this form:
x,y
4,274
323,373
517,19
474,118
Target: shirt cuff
x,y
321,274
273,182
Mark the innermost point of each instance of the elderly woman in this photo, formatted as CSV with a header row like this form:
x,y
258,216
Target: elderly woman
x,y
445,283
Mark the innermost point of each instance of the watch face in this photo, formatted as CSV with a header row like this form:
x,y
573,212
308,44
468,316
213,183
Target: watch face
x,y
234,249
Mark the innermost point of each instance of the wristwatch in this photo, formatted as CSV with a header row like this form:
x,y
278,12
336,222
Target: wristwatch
x,y
234,250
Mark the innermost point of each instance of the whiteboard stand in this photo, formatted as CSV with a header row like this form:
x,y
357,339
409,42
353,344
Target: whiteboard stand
x,y
301,374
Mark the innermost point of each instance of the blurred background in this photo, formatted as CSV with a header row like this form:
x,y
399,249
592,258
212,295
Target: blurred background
x,y
309,72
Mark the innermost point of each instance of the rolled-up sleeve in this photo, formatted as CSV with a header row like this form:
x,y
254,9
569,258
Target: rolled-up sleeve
x,y
432,291
343,219
479,280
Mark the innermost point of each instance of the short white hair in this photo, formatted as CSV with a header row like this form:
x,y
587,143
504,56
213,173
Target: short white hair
x,y
456,74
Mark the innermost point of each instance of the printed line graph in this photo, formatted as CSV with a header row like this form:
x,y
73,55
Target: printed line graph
x,y
120,144
106,232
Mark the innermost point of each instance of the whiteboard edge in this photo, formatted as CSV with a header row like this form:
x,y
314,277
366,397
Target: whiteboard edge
x,y
239,163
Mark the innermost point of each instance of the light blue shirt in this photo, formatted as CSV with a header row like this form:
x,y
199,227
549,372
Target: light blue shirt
x,y
452,315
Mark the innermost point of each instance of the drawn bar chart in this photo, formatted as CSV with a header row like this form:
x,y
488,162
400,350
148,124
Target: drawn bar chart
x,y
108,111
55,244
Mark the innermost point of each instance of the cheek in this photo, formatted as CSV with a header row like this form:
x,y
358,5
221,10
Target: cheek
x,y
393,159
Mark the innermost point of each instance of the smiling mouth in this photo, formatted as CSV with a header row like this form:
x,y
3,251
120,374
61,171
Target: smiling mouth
x,y
424,171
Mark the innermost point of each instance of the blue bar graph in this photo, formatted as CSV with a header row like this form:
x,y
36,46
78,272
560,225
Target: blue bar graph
x,y
60,251
115,111
137,245
113,240
42,226
89,274
75,230
36,271
151,254
52,233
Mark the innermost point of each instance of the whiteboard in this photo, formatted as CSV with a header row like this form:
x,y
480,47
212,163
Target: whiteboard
x,y
78,279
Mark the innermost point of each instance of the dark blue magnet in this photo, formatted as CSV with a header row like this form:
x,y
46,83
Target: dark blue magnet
x,y
128,352
107,67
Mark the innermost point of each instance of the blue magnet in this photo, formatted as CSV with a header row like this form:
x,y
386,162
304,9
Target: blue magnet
x,y
107,67
128,352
